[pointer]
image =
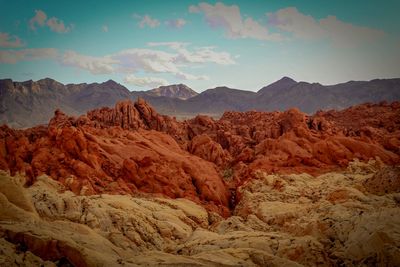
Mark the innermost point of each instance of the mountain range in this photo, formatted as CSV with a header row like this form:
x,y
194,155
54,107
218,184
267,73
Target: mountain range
x,y
25,104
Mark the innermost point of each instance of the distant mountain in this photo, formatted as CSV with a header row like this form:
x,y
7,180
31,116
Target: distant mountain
x,y
283,84
180,91
216,101
25,104
88,96
310,97
29,103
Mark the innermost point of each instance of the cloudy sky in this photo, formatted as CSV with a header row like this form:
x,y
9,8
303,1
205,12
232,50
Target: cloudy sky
x,y
240,44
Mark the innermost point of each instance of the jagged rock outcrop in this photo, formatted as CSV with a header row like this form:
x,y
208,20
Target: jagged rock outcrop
x,y
90,159
133,149
204,147
132,116
124,114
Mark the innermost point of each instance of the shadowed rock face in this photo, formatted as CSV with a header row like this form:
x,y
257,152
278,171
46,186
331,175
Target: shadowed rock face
x,y
133,149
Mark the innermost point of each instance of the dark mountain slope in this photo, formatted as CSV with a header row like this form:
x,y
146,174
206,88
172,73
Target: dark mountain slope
x,y
89,96
29,103
218,100
24,104
310,97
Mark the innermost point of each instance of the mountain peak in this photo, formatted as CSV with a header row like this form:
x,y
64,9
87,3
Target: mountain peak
x,y
47,79
180,91
285,79
283,83
112,85
49,83
110,82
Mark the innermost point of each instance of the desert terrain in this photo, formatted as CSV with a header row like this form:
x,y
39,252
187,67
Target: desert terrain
x,y
126,186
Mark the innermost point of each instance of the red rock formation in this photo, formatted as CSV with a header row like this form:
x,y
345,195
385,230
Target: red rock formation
x,y
90,159
124,115
204,147
132,148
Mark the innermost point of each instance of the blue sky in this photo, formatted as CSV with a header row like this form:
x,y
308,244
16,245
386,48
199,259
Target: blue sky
x,y
240,44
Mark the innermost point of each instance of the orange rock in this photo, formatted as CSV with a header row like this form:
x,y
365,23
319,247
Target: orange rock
x,y
204,147
131,148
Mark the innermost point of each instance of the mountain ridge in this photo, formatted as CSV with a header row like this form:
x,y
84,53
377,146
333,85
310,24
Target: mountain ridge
x,y
28,103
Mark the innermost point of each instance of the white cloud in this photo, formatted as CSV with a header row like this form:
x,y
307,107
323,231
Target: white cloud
x,y
14,56
148,21
155,61
150,60
306,27
9,41
173,45
203,55
344,34
230,19
95,65
145,81
188,76
176,23
300,25
55,24
38,20
199,55
104,28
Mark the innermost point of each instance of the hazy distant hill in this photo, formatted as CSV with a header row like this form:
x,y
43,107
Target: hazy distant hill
x,y
24,104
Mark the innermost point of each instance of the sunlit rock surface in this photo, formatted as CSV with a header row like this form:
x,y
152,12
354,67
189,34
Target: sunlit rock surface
x,y
282,219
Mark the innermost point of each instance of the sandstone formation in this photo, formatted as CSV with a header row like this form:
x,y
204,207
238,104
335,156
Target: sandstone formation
x,y
90,159
281,220
130,187
132,149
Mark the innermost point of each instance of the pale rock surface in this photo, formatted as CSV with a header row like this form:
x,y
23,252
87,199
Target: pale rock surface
x,y
280,220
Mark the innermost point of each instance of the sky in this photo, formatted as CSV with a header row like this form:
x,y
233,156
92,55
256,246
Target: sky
x,y
239,44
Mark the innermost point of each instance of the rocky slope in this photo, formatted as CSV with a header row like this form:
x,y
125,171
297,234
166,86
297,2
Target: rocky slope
x,y
310,97
252,188
132,148
281,220
26,104
180,91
